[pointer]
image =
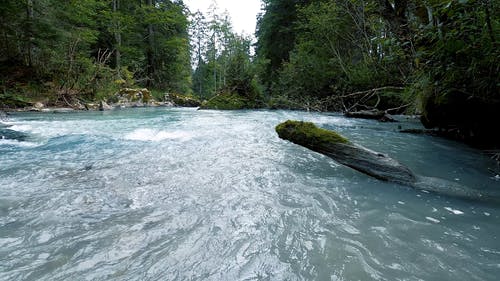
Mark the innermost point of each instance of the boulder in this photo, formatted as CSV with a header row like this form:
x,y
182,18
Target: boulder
x,y
92,106
78,105
168,104
104,106
154,104
38,105
3,116
137,104
12,135
133,95
366,161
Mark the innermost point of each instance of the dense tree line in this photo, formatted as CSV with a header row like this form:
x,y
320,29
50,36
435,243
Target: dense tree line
x,y
85,49
221,58
440,58
437,57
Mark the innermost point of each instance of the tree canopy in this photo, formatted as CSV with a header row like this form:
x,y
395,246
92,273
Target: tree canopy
x,y
83,49
438,58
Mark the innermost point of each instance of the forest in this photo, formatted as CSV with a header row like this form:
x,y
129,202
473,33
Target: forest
x,y
61,52
434,58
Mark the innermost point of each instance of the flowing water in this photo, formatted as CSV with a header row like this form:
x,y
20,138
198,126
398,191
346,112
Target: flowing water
x,y
180,194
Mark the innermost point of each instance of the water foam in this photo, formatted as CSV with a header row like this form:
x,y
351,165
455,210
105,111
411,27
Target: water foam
x,y
451,210
21,128
156,135
9,142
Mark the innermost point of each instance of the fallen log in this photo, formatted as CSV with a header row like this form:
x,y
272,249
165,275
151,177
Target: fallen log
x,y
372,163
370,114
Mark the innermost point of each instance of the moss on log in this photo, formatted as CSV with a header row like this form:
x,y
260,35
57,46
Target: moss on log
x,y
366,161
307,134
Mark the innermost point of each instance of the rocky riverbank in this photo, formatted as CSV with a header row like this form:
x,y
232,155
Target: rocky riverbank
x,y
125,98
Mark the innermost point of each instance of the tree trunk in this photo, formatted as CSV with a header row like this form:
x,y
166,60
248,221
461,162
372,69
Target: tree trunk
x,y
29,32
151,47
118,38
488,6
370,114
395,16
372,163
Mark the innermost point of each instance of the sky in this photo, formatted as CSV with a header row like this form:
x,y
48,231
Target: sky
x,y
243,12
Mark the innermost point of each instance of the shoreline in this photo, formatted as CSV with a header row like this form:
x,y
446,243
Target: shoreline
x,y
93,107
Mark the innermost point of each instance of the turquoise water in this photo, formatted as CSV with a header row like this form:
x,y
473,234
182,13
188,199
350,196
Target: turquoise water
x,y
180,194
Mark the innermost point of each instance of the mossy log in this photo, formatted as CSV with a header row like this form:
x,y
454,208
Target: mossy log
x,y
335,146
366,161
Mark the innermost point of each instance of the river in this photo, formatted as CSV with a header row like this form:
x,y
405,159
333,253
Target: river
x,y
181,194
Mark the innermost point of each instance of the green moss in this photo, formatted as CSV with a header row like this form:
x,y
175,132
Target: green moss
x,y
13,101
230,101
307,134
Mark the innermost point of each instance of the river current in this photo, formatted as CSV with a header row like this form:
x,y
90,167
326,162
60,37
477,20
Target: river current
x,y
181,194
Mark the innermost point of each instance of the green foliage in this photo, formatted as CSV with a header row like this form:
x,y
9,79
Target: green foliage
x,y
87,50
308,135
225,71
283,102
458,65
336,49
276,33
13,101
445,53
232,101
184,100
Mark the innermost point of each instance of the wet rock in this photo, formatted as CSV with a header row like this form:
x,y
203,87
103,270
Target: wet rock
x,y
92,106
168,104
154,104
78,105
38,105
3,116
133,95
138,104
12,135
104,106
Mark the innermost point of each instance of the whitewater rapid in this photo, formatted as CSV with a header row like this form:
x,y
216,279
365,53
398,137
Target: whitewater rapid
x,y
181,194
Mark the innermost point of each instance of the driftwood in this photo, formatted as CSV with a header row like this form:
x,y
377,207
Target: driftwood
x,y
428,132
366,161
371,114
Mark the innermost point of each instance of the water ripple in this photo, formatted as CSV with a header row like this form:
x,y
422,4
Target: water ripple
x,y
180,194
